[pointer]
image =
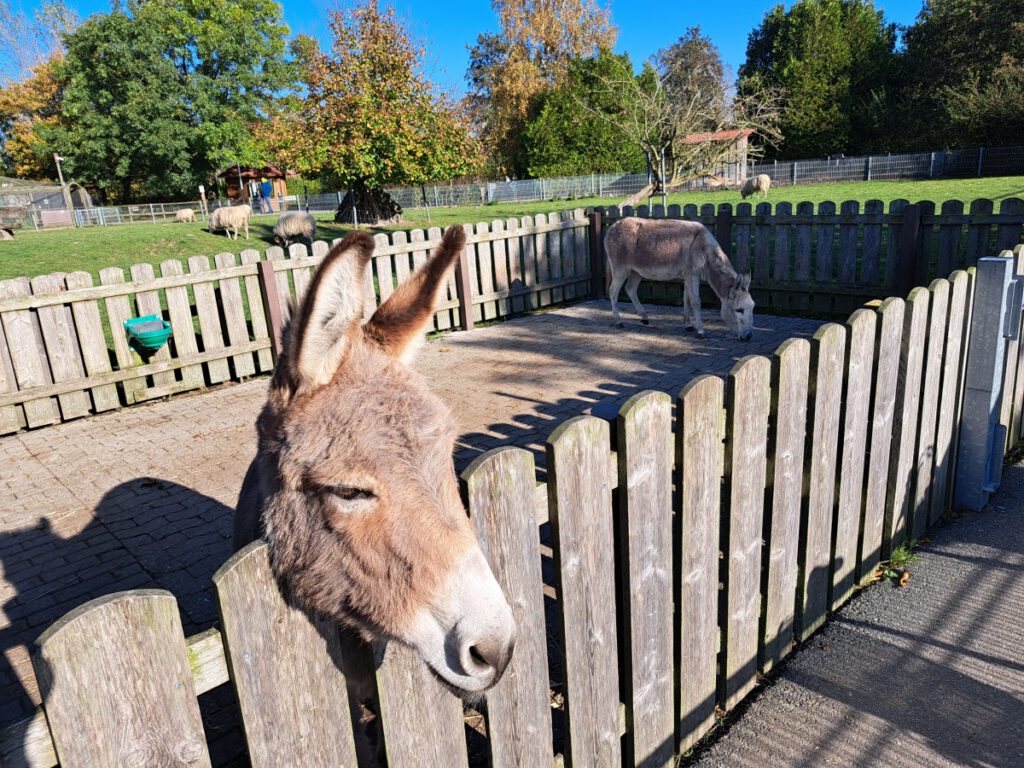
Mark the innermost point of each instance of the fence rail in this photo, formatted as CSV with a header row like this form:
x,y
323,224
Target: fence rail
x,y
741,504
64,352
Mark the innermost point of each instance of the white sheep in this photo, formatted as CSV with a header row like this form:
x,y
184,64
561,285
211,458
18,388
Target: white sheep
x,y
760,183
233,217
293,225
185,214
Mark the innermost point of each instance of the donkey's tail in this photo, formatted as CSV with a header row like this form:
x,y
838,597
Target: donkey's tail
x,y
607,269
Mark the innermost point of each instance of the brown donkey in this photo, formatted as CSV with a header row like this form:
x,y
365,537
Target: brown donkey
x,y
354,487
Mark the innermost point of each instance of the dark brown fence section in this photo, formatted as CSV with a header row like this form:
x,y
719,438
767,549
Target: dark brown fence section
x,y
832,258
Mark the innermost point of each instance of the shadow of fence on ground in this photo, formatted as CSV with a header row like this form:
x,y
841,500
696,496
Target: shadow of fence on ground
x,y
145,533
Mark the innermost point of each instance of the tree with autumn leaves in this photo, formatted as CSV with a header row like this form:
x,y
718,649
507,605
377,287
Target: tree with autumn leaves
x,y
31,87
368,115
533,55
29,110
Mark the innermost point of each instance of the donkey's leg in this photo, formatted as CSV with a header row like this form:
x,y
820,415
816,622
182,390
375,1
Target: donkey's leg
x,y
618,278
631,285
687,309
693,291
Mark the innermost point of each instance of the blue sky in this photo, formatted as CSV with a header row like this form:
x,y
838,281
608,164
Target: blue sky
x,y
447,28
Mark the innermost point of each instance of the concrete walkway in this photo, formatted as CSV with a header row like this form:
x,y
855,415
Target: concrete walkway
x,y
143,497
929,675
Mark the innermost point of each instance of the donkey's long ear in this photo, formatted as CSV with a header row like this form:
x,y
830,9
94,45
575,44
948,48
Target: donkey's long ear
x,y
739,284
322,328
399,323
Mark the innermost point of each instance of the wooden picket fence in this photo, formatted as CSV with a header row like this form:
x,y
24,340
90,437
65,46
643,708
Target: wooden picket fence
x,y
833,259
64,353
690,551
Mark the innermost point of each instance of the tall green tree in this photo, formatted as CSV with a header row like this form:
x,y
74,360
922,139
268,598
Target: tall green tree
x,y
835,60
563,139
161,94
369,116
963,65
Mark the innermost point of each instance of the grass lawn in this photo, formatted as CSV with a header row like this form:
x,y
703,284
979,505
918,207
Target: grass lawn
x,y
37,253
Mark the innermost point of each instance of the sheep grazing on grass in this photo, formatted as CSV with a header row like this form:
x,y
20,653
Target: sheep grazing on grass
x,y
185,214
294,225
760,183
231,219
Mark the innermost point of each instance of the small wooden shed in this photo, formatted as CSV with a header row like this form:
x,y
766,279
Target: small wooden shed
x,y
238,179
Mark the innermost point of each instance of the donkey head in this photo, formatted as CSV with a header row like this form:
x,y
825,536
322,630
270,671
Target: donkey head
x,y
361,503
738,308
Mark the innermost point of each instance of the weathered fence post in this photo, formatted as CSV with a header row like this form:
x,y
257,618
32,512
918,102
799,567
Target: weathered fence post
x,y
464,289
981,158
867,169
271,305
723,227
596,256
996,317
910,241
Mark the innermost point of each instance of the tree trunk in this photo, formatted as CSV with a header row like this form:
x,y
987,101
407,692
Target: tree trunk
x,y
373,205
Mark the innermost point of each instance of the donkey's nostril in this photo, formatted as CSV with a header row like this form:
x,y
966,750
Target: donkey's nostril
x,y
477,656
490,655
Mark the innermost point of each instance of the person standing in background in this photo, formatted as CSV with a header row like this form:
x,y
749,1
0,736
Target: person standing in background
x,y
266,192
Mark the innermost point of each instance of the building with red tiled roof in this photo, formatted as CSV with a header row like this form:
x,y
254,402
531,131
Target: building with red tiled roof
x,y
733,166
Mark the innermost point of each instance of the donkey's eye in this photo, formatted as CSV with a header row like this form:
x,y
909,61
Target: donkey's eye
x,y
347,501
349,493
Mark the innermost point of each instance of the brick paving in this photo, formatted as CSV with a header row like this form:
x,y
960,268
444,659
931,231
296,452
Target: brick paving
x,y
142,497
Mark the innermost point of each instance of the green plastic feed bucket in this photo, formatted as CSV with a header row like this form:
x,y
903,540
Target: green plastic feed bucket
x,y
149,332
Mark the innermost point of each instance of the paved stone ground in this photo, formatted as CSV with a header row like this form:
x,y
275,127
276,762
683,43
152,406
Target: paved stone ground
x,y
142,497
930,675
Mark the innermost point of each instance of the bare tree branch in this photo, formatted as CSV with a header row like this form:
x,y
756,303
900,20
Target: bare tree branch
x,y
28,41
658,111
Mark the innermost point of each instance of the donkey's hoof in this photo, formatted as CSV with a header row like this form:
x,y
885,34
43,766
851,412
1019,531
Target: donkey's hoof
x,y
645,321
618,325
690,329
701,335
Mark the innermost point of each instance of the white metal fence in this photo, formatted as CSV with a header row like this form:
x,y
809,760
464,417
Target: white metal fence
x,y
991,161
984,161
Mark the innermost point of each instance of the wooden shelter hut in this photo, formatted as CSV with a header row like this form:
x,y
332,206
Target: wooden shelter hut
x,y
240,181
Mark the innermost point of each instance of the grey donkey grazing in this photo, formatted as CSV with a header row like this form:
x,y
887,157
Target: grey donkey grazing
x,y
354,488
671,249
